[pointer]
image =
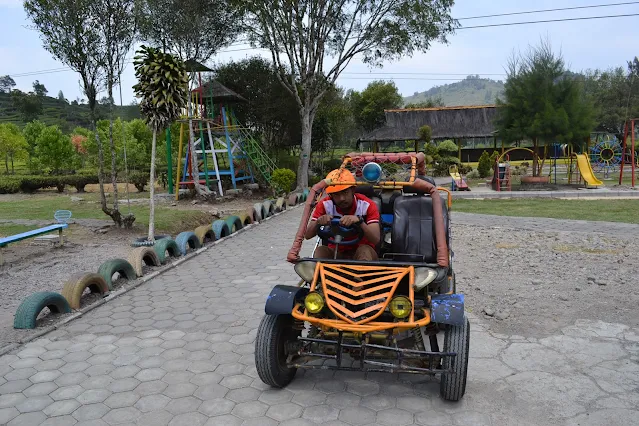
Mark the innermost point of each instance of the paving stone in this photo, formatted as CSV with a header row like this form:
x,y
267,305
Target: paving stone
x,y
250,409
179,390
236,382
362,387
225,420
150,374
35,403
92,396
21,373
183,405
357,415
122,399
67,392
8,414
40,389
433,418
212,391
52,364
190,419
74,367
394,417
97,382
307,398
155,418
243,395
150,403
61,408
28,419
90,412
343,400
123,385
122,415
59,421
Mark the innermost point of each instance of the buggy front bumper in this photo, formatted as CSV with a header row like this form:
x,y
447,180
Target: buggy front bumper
x,y
368,357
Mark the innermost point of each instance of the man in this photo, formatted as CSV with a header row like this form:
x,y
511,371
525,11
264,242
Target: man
x,y
342,202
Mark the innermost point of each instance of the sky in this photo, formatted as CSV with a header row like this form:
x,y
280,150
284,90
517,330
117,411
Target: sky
x,y
585,44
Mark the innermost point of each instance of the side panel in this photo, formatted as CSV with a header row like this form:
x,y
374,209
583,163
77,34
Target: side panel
x,y
283,298
447,309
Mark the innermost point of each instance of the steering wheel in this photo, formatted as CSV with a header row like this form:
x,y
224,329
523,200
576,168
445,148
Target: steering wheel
x,y
335,233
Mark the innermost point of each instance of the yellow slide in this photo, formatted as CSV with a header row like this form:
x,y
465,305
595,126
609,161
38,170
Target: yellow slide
x,y
585,169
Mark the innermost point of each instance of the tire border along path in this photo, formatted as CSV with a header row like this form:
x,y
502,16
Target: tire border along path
x,y
115,294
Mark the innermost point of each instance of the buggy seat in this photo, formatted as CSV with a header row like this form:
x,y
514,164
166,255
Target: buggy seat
x,y
413,231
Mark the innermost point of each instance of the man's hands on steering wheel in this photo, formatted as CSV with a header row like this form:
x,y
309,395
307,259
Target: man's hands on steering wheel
x,y
346,221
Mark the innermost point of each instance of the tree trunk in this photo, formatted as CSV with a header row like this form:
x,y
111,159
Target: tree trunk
x,y
305,152
13,170
114,172
151,236
6,162
114,214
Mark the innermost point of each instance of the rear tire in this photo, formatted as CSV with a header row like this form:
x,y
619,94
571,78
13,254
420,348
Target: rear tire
x,y
273,333
456,339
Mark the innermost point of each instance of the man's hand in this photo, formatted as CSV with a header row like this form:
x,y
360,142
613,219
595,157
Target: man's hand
x,y
349,220
324,220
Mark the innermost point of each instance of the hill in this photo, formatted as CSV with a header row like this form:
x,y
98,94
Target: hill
x,y
472,90
66,115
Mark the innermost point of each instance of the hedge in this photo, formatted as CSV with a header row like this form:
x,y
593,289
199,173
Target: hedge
x,y
31,183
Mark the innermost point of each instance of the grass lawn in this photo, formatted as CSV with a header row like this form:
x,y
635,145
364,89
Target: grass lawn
x,y
7,229
602,210
170,220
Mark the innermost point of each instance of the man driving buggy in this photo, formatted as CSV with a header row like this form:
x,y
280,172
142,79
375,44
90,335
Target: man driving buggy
x,y
353,210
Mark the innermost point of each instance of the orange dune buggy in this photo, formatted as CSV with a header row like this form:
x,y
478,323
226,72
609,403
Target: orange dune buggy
x,y
400,313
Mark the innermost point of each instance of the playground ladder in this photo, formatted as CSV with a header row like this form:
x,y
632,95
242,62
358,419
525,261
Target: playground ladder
x,y
258,157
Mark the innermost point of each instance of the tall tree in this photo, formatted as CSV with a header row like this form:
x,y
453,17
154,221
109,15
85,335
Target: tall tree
x,y
55,150
31,132
7,84
270,110
369,105
428,103
117,28
29,105
541,101
69,32
39,89
189,29
162,84
302,34
61,97
12,145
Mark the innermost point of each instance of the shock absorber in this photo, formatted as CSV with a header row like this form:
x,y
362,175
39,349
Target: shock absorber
x,y
419,339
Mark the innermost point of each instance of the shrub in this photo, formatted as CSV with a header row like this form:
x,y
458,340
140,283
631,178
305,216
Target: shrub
x,y
9,184
493,158
473,174
484,165
79,181
139,180
31,183
283,180
425,133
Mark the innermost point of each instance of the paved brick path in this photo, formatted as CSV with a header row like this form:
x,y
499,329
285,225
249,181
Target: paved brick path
x,y
178,350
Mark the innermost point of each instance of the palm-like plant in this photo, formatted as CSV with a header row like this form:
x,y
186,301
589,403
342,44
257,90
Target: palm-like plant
x,y
162,85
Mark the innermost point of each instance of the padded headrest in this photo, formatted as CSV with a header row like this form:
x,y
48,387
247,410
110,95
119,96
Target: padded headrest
x,y
412,190
365,190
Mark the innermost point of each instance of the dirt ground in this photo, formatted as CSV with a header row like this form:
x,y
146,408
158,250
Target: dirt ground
x,y
32,266
531,276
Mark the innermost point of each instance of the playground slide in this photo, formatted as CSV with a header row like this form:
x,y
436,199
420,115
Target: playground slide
x,y
585,169
458,180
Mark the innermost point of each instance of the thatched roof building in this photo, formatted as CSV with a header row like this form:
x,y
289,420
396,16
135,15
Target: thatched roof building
x,y
446,123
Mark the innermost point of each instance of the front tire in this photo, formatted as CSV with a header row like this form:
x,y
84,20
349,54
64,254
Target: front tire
x,y
456,339
273,334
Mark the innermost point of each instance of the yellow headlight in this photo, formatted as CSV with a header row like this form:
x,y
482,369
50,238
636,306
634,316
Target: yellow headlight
x,y
400,307
314,302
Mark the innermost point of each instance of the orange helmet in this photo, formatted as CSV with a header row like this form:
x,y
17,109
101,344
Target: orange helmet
x,y
337,176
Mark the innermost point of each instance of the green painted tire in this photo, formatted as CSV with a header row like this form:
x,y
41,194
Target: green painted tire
x,y
121,266
165,245
234,223
28,311
221,229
